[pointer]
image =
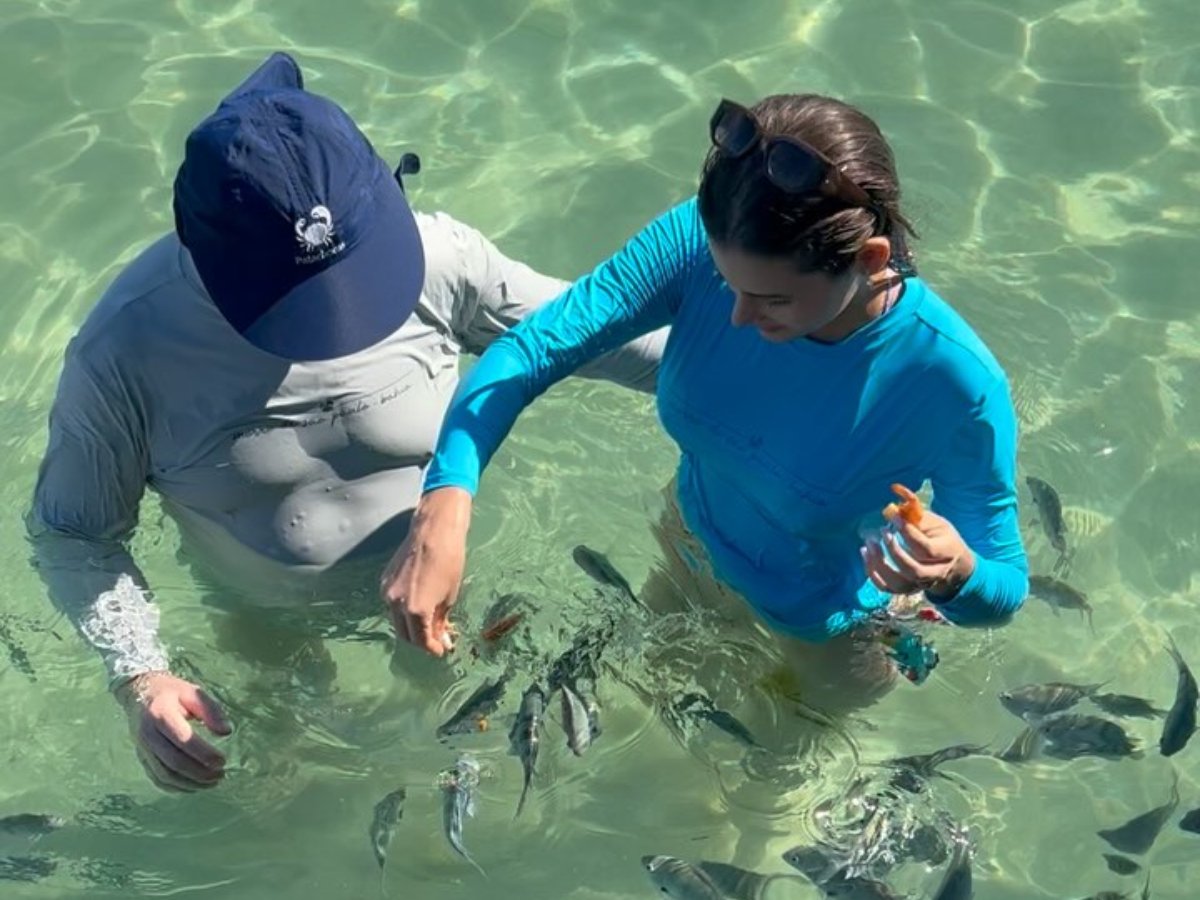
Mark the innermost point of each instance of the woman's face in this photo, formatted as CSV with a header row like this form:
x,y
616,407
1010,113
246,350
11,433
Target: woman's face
x,y
781,302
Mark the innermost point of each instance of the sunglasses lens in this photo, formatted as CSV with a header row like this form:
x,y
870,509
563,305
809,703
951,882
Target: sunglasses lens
x,y
794,169
733,131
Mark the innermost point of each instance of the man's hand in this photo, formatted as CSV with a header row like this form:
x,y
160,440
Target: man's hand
x,y
421,583
159,706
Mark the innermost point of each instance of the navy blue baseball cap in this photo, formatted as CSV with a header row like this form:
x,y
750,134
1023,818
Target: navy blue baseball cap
x,y
300,232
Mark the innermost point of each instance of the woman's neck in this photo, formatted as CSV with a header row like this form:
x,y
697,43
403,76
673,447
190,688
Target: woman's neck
x,y
872,301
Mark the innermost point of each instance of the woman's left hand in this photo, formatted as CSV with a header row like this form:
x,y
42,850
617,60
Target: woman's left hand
x,y
937,560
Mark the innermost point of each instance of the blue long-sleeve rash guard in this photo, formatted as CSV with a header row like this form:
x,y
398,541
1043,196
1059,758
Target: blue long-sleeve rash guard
x,y
788,450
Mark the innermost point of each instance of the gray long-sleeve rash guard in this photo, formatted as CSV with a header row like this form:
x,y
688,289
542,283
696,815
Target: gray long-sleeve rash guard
x,y
272,469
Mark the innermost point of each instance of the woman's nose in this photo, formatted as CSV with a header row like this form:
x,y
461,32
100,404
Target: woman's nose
x,y
744,311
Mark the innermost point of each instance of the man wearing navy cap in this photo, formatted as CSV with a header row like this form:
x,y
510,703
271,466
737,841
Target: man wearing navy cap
x,y
275,370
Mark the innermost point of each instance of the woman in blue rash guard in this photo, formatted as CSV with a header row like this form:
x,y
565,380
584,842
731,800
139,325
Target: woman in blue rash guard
x,y
809,368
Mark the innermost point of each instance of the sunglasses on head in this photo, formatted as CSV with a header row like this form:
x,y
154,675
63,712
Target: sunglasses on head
x,y
791,165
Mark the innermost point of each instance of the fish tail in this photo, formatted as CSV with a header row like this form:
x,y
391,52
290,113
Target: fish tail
x,y
1173,649
524,793
467,856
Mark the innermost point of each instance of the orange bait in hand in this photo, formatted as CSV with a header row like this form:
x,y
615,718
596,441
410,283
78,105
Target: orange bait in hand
x,y
909,508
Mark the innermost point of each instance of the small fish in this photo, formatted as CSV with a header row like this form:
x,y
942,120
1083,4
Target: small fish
x,y
1071,735
816,863
957,882
472,715
701,707
913,771
857,887
740,884
1121,895
598,566
459,788
1050,512
1045,699
387,816
1127,706
31,825
1025,746
523,736
1061,595
1191,821
1138,834
575,720
1180,723
925,844
16,653
1121,865
582,659
679,880
593,714
27,868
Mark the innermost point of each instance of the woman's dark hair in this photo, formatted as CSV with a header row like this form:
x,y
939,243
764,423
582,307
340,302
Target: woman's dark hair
x,y
741,207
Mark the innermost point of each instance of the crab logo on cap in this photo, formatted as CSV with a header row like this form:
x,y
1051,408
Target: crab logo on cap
x,y
316,237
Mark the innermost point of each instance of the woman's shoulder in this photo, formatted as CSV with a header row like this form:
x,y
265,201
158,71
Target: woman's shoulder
x,y
959,346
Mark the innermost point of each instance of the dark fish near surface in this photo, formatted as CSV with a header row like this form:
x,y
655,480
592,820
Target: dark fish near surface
x,y
582,659
856,887
575,719
1071,735
1191,821
459,787
472,715
913,771
817,863
957,884
925,844
701,707
523,736
1049,508
1127,706
387,816
1138,834
1121,865
1045,699
679,880
1061,595
27,868
16,653
1114,895
597,565
32,825
740,884
1180,723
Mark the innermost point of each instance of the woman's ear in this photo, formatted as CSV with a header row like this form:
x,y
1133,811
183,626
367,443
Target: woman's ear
x,y
874,255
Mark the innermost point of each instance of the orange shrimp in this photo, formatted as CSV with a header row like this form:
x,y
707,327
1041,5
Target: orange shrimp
x,y
909,509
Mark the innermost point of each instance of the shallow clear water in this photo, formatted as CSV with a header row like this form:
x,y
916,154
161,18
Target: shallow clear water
x,y
1050,159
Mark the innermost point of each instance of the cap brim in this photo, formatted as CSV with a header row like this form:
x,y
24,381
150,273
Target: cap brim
x,y
358,301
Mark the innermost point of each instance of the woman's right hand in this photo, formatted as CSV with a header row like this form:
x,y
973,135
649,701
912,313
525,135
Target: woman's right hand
x,y
420,584
159,706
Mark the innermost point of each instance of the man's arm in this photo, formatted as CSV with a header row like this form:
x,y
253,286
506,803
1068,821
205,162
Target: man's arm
x,y
85,507
495,293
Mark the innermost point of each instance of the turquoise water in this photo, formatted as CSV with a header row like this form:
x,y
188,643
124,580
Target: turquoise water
x,y
1050,160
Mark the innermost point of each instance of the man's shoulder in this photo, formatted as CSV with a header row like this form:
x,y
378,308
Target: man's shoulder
x,y
137,296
